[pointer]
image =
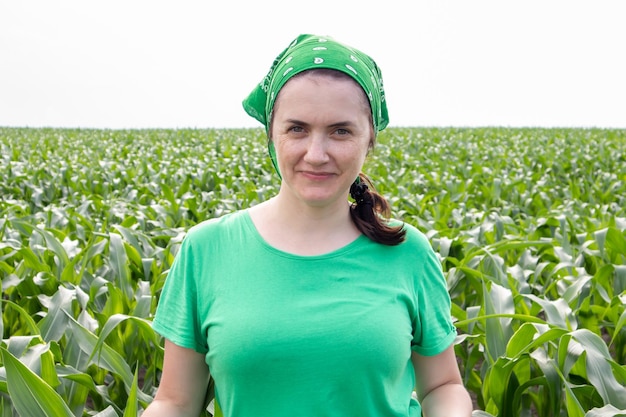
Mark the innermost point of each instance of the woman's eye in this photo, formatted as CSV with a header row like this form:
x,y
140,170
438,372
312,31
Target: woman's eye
x,y
296,129
342,132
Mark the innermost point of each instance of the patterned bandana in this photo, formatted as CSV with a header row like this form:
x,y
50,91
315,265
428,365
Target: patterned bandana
x,y
308,52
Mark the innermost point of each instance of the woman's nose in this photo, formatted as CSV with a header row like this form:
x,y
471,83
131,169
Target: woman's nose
x,y
317,150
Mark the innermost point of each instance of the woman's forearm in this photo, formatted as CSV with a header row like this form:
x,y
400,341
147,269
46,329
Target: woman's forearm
x,y
168,409
449,400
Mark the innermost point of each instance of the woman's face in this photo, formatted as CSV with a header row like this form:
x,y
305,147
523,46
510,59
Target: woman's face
x,y
322,131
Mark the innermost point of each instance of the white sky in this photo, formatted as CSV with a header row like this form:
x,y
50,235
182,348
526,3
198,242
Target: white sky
x,y
175,64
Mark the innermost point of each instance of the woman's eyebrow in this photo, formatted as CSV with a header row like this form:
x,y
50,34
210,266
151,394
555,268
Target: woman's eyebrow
x,y
346,123
342,124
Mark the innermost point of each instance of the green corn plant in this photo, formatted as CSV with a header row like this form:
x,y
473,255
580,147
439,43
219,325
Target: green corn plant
x,y
530,226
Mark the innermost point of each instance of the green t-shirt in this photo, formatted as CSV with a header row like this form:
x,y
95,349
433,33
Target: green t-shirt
x,y
287,335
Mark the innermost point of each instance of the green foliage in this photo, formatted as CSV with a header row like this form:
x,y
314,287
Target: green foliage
x,y
529,224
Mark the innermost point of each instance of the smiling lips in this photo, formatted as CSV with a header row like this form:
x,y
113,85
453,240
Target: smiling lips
x,y
313,175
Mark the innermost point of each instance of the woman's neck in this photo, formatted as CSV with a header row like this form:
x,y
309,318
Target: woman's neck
x,y
304,229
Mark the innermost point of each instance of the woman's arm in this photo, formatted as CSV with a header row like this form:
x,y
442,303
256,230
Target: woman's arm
x,y
439,387
183,384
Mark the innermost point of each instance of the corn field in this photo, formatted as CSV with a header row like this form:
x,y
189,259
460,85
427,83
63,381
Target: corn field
x,y
529,224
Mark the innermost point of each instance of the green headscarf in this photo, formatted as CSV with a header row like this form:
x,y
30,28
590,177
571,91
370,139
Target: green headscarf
x,y
308,52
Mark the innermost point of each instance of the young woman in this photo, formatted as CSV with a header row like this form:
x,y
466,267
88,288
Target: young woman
x,y
309,304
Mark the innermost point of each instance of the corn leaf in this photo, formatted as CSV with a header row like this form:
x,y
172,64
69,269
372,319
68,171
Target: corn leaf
x,y
599,369
104,356
30,395
107,412
132,408
119,263
28,321
606,411
54,324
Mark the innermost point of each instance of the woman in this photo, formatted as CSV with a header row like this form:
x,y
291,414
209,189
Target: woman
x,y
307,304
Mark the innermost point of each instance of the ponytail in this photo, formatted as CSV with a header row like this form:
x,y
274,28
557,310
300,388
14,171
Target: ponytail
x,y
370,213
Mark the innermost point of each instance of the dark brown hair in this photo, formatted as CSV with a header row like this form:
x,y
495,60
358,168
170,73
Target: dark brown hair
x,y
370,213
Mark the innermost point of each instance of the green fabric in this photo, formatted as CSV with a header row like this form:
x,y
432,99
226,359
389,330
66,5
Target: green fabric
x,y
288,335
308,52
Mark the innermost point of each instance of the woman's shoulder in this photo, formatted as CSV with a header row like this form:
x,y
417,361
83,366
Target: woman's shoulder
x,y
217,225
413,236
416,243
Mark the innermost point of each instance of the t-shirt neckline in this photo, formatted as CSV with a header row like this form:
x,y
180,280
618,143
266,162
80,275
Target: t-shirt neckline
x,y
249,224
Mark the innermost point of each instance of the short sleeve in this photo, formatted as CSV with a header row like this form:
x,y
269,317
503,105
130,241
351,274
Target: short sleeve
x,y
177,317
433,330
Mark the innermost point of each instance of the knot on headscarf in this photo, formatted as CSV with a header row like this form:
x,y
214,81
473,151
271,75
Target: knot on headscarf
x,y
311,51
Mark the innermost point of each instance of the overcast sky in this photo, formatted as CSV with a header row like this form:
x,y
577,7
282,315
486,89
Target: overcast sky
x,y
176,64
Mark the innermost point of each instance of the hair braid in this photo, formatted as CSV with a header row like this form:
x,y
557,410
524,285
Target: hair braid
x,y
370,213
